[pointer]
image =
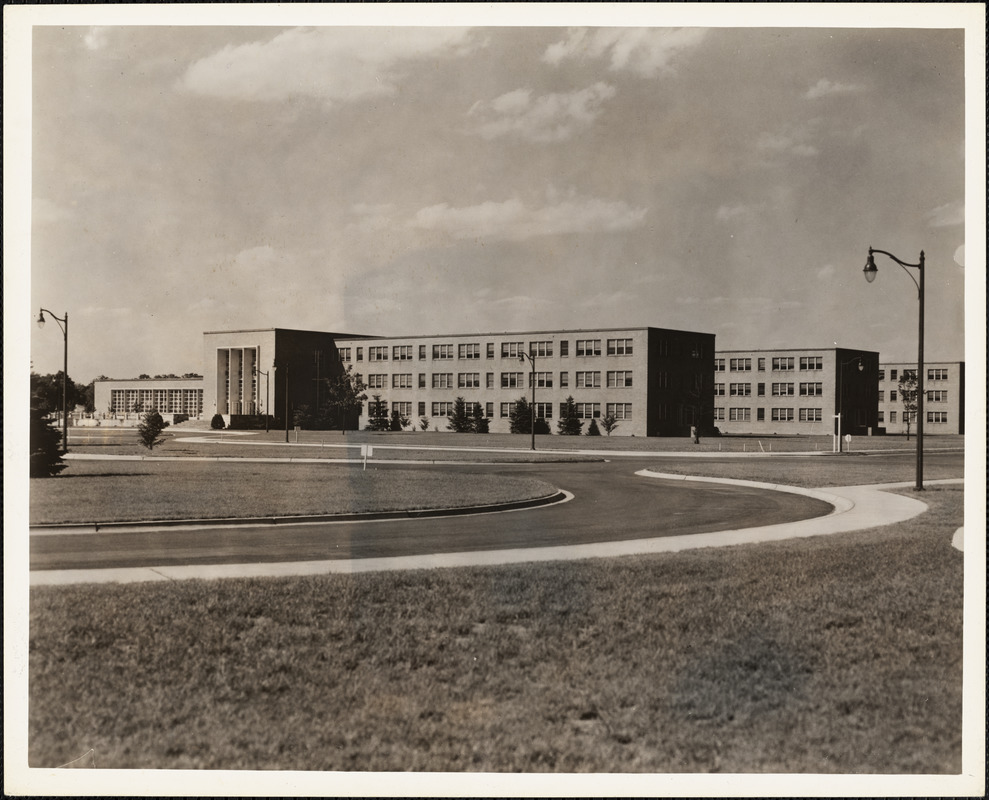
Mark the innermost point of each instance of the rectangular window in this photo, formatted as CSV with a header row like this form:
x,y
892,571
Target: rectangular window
x,y
585,410
344,354
719,414
564,380
814,390
442,380
422,352
811,362
619,379
783,363
422,408
401,381
892,374
619,347
507,409
544,380
588,380
360,353
760,415
882,395
564,348
544,411
719,365
490,349
739,414
489,410
541,349
882,374
422,381
811,415
588,347
511,380
401,352
882,417
442,352
892,416
442,409
937,374
377,354
489,380
377,381
619,410
782,415
719,389
760,389
469,380
892,396
511,349
403,407
740,364
761,365
782,390
937,417
937,396
740,389
468,351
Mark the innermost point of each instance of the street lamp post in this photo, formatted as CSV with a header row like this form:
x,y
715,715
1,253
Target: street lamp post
x,y
870,271
841,397
532,378
63,323
260,372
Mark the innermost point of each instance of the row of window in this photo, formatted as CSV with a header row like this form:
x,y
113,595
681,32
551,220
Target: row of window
x,y
776,414
933,396
443,408
933,374
779,364
166,401
937,417
614,379
472,350
815,389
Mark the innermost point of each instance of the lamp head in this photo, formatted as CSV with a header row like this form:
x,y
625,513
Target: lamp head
x,y
861,365
870,269
41,319
521,358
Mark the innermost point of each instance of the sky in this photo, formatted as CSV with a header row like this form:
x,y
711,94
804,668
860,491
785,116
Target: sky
x,y
403,180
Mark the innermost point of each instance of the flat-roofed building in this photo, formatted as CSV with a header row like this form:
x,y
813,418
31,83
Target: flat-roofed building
x,y
796,391
123,400
944,397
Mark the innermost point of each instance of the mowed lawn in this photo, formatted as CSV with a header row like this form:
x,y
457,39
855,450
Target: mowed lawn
x,y
839,654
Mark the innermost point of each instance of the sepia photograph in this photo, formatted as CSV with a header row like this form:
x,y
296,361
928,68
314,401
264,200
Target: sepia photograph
x,y
463,400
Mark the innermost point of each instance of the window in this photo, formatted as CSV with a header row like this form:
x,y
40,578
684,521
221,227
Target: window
x,y
892,416
490,349
511,380
544,410
719,389
760,390
719,414
544,380
882,417
892,374
740,389
619,410
511,349
812,415
619,379
401,381
588,380
588,347
442,409
564,348
719,365
507,409
761,365
468,351
882,395
489,380
937,374
376,381
584,410
489,410
564,380
811,362
739,414
619,347
783,363
422,408
938,396
344,354
782,390
377,354
402,352
422,353
740,364
360,353
541,349
937,417
882,374
760,415
814,390
442,380
892,396
469,380
403,407
782,415
442,352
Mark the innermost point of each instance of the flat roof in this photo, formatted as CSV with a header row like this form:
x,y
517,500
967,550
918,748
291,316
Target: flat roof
x,y
557,331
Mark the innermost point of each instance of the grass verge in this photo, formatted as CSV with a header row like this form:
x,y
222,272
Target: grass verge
x,y
838,654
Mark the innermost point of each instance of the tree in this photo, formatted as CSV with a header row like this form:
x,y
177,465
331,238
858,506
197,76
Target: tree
x,y
149,431
592,429
520,418
569,423
609,423
908,396
480,420
345,396
47,389
217,423
424,423
378,415
460,420
398,422
46,460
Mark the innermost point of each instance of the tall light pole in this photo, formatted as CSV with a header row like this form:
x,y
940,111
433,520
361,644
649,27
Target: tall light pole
x,y
261,372
532,378
870,270
63,323
841,374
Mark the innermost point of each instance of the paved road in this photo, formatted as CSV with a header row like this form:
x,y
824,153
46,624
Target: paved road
x,y
610,503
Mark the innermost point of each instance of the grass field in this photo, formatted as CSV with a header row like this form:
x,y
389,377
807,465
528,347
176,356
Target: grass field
x,y
840,654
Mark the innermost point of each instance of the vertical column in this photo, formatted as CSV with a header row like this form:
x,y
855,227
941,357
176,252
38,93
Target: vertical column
x,y
222,381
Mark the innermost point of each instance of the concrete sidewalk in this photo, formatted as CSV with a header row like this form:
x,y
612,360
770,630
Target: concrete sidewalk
x,y
855,508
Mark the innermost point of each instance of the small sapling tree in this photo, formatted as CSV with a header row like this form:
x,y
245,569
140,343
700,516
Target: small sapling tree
x,y
569,424
424,423
609,423
46,460
520,418
908,397
480,420
149,431
592,429
378,414
460,420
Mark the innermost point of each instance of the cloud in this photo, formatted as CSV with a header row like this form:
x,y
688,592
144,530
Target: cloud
x,y
826,272
788,143
512,220
96,37
330,64
824,87
728,213
946,215
644,51
548,118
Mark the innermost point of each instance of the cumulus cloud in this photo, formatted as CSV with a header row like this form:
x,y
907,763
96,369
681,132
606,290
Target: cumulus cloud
x,y
644,51
330,64
513,220
824,87
548,118
946,215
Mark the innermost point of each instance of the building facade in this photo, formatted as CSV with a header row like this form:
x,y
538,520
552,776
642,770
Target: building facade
x,y
173,398
818,391
944,398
